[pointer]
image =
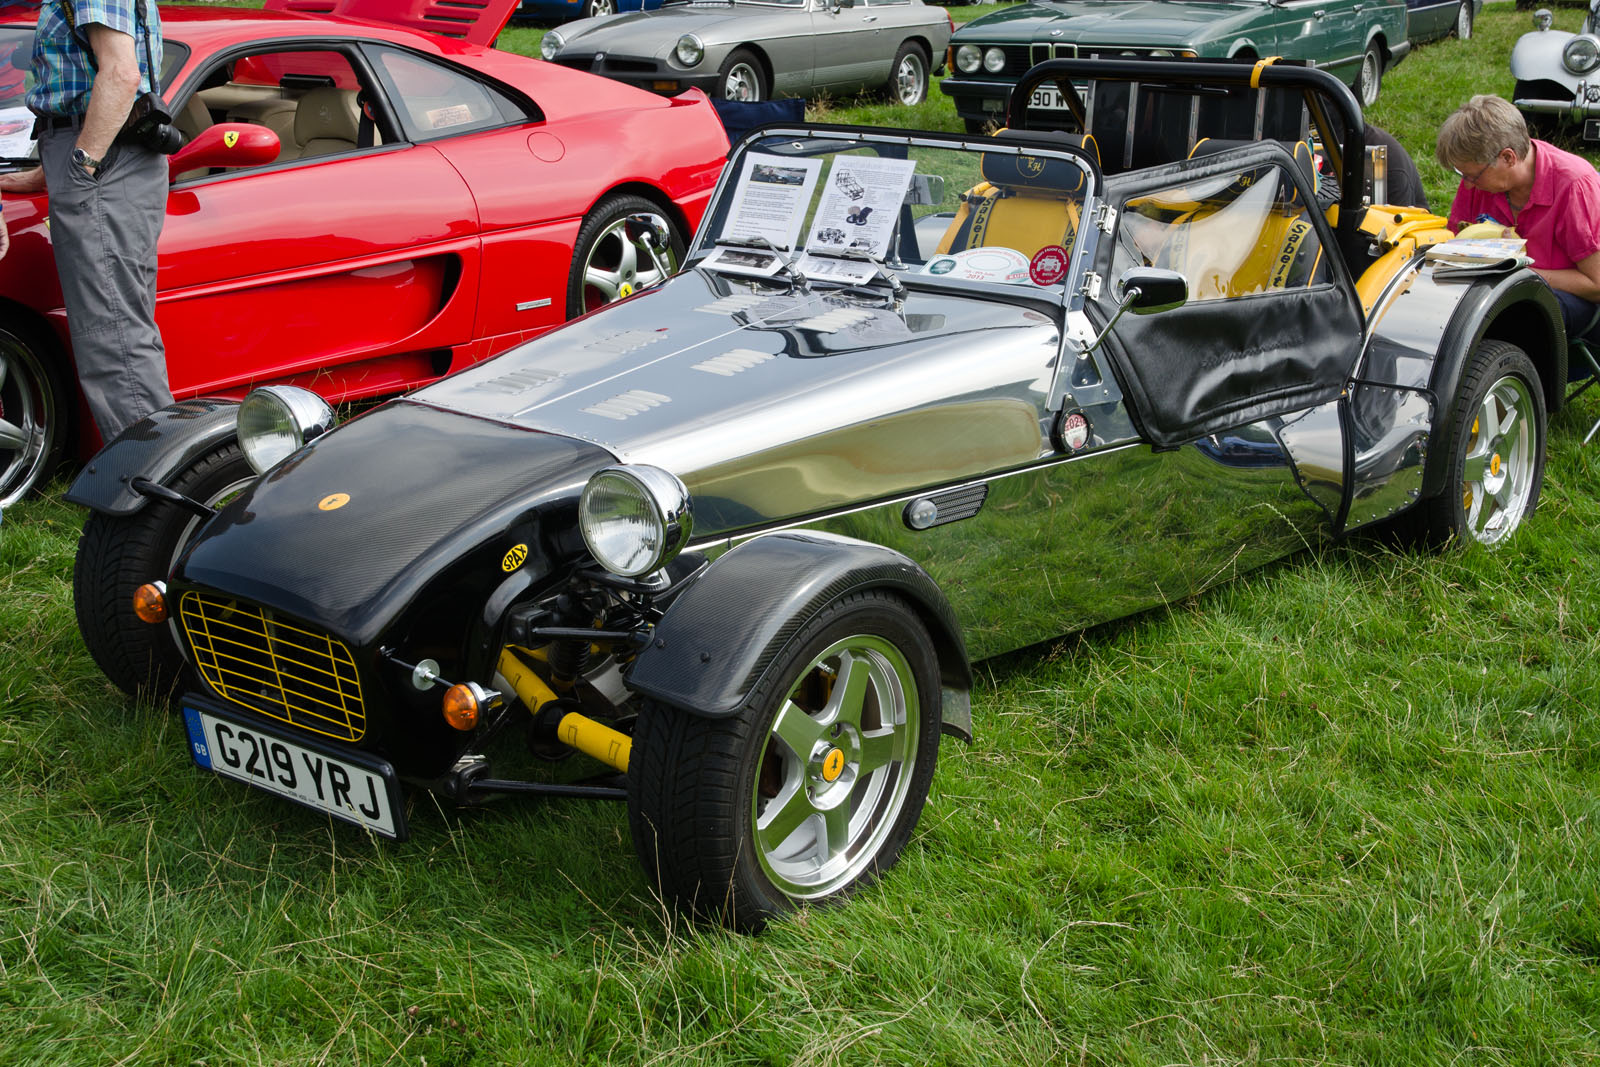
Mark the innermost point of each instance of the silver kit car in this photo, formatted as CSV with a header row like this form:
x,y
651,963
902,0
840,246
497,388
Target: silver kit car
x,y
758,49
738,538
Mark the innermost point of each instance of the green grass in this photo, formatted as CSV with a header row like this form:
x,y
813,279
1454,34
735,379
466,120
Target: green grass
x,y
1340,811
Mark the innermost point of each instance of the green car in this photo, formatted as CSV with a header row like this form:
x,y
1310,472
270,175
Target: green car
x,y
1355,40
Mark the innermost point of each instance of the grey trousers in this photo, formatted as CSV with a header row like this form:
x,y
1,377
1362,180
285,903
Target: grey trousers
x,y
104,230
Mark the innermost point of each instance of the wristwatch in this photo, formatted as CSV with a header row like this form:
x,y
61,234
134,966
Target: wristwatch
x,y
85,160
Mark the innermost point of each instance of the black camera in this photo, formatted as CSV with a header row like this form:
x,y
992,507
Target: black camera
x,y
150,125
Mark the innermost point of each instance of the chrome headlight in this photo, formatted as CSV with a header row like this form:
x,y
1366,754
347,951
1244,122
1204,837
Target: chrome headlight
x,y
689,50
994,60
635,519
1542,19
1581,55
969,57
275,421
551,44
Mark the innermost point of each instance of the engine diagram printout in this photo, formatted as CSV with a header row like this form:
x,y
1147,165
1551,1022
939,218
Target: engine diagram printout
x,y
860,205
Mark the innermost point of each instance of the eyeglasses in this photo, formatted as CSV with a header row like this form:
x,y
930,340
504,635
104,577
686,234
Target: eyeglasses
x,y
1472,179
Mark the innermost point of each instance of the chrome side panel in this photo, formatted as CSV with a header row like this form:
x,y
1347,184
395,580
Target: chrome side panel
x,y
1096,537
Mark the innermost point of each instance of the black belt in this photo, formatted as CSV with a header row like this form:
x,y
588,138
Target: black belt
x,y
56,122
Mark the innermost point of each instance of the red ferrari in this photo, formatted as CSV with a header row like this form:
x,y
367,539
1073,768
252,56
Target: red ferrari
x,y
370,198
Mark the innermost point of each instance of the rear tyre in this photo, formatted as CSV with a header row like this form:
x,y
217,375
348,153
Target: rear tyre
x,y
606,265
1494,447
119,553
1463,26
33,414
741,78
808,792
908,78
1369,79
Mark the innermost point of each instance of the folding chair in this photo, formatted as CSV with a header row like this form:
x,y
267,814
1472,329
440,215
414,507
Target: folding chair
x,y
1581,352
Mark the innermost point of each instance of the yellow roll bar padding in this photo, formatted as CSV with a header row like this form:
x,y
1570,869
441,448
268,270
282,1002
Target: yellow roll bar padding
x,y
577,731
1255,75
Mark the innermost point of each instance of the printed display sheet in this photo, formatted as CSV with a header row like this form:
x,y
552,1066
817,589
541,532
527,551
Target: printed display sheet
x,y
771,199
860,205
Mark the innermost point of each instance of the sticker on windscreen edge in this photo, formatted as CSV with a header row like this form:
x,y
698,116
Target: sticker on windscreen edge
x,y
1048,266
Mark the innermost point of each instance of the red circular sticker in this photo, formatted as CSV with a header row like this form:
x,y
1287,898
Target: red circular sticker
x,y
1048,266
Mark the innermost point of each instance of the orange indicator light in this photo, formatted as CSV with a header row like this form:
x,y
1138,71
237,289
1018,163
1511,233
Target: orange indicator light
x,y
462,707
150,602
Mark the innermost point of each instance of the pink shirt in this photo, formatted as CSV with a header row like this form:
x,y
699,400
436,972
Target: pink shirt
x,y
1561,219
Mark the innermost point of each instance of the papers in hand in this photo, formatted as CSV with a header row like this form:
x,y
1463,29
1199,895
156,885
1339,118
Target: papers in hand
x,y
1471,257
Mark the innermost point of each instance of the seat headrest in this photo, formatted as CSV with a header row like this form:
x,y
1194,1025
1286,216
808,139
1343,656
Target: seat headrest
x,y
1038,172
326,113
1303,158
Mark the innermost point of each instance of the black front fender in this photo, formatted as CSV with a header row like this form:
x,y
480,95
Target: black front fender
x,y
1517,308
720,636
156,447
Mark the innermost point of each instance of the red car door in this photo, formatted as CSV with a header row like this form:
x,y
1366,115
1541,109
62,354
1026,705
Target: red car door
x,y
354,275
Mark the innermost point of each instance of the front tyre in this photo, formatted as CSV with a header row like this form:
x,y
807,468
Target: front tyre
x,y
812,788
741,78
606,265
1495,449
119,553
1463,26
908,78
1369,79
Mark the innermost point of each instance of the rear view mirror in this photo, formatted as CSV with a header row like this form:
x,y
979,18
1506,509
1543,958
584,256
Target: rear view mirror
x,y
227,144
1146,290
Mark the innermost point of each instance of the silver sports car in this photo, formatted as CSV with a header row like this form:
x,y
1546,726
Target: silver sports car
x,y
758,49
913,399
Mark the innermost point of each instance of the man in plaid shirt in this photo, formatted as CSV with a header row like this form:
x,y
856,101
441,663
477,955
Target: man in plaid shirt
x,y
108,197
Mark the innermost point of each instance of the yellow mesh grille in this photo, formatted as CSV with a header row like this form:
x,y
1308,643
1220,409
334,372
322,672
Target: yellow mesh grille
x,y
293,674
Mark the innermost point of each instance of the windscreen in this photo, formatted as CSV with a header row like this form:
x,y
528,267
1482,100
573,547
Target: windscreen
x,y
853,209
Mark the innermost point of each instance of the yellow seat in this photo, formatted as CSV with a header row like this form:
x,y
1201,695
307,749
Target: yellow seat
x,y
1025,202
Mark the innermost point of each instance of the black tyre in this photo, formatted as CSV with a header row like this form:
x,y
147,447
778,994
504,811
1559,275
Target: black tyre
x,y
1369,79
595,8
33,414
810,792
1463,26
908,78
741,77
606,265
1494,447
117,554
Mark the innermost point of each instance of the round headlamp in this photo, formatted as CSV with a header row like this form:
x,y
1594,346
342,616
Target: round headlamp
x,y
634,519
551,44
969,57
689,50
1581,55
275,421
994,60
1543,20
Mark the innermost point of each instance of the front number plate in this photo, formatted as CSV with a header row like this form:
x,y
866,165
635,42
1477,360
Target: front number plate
x,y
1049,98
367,794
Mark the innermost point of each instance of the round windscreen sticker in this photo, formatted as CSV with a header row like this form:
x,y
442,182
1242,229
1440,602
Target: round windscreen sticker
x,y
1048,266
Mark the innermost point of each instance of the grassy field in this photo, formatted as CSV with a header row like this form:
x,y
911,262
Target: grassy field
x,y
1342,811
